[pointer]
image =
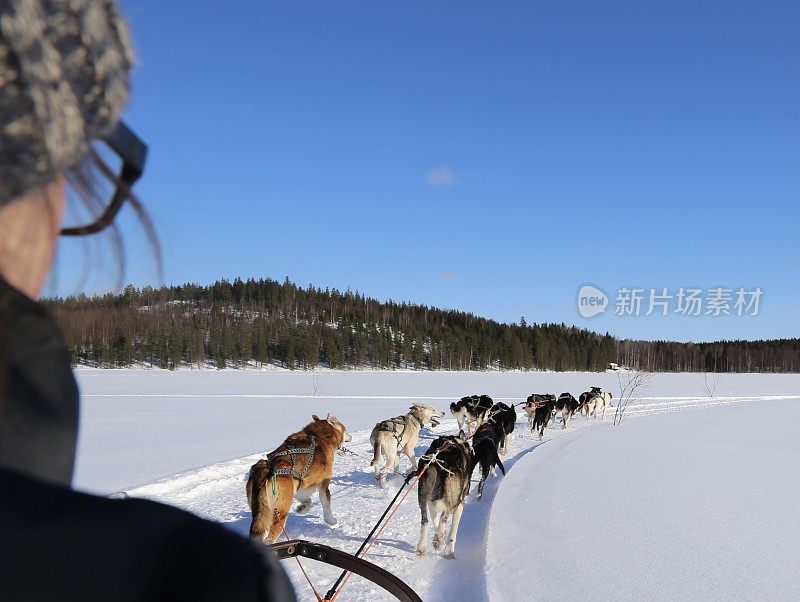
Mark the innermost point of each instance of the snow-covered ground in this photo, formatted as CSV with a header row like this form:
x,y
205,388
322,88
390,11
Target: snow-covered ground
x,y
140,425
188,438
690,506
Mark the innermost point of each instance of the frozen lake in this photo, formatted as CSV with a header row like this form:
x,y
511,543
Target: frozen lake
x,y
188,438
140,425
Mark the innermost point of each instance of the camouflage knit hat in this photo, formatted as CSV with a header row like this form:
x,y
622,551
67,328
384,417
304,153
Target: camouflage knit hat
x,y
64,79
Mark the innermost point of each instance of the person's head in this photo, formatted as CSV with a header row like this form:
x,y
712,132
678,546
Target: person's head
x,y
64,79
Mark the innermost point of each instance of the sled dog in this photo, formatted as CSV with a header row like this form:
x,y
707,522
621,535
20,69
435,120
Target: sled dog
x,y
484,450
567,405
542,415
442,489
505,417
400,434
601,402
301,464
534,401
469,411
583,400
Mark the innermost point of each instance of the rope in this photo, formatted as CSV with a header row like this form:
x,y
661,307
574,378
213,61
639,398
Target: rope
x,y
345,450
300,564
434,460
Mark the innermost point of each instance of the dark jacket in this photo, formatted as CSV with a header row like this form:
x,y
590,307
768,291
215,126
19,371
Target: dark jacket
x,y
58,544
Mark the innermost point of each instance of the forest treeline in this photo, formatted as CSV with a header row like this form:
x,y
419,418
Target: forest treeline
x,y
257,322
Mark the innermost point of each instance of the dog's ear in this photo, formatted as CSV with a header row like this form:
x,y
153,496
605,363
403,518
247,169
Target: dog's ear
x,y
315,417
462,436
332,419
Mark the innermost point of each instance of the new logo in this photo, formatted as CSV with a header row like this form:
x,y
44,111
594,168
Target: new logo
x,y
591,301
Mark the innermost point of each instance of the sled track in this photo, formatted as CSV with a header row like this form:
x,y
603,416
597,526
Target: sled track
x,y
216,492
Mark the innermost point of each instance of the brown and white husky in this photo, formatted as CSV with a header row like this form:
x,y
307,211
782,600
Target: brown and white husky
x,y
302,464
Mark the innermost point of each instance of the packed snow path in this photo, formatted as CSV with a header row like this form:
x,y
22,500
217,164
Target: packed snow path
x,y
217,492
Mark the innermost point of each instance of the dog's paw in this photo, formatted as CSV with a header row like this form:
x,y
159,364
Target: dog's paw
x,y
330,520
302,508
450,555
437,542
420,552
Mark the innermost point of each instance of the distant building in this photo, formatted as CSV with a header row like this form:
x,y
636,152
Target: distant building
x,y
612,366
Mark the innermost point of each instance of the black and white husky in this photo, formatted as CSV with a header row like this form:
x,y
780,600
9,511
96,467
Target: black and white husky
x,y
505,417
470,410
596,401
567,405
583,399
542,416
442,489
484,452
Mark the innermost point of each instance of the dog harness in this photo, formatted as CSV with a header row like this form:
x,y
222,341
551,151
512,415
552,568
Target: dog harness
x,y
390,426
293,452
500,411
485,431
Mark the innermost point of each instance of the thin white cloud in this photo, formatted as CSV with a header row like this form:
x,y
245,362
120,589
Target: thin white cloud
x,y
448,276
440,177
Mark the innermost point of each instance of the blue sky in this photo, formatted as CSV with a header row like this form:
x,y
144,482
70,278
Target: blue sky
x,y
490,157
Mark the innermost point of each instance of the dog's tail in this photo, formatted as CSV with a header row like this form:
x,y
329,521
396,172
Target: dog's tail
x,y
259,498
498,462
376,452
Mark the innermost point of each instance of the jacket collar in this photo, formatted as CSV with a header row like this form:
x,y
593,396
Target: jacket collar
x,y
38,392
